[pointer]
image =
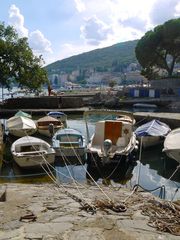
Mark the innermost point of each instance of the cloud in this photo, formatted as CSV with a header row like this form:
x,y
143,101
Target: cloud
x,y
177,8
80,6
134,22
16,19
94,30
39,43
163,10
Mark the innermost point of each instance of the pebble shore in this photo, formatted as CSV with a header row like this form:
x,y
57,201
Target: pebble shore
x,y
46,212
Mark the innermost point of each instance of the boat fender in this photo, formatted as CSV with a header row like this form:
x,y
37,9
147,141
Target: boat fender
x,y
136,147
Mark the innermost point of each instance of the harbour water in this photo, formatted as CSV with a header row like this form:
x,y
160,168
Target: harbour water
x,y
153,171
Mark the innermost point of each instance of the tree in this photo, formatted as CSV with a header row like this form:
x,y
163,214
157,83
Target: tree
x,y
159,49
112,83
17,62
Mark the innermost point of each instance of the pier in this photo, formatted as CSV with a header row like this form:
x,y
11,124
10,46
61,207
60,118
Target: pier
x,y
6,113
172,119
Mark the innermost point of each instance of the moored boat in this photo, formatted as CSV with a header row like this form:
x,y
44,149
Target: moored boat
x,y
70,144
60,116
30,152
113,140
152,133
48,125
172,145
20,126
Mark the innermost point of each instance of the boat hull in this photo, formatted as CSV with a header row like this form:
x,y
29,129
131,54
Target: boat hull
x,y
71,153
22,132
175,154
45,130
34,161
150,141
94,159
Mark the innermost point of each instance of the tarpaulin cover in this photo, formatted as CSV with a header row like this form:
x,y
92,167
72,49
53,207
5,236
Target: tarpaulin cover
x,y
56,114
153,128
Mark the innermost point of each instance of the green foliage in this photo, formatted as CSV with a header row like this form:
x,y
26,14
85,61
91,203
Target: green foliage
x,y
17,62
112,83
159,49
100,59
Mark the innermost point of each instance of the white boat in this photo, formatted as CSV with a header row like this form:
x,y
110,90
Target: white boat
x,y
21,126
70,144
60,116
30,152
48,125
152,133
113,140
172,144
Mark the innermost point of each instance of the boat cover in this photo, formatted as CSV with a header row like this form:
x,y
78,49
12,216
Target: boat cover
x,y
56,114
47,119
23,114
153,128
20,123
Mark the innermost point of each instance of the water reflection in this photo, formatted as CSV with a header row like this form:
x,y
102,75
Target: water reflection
x,y
155,170
157,160
118,173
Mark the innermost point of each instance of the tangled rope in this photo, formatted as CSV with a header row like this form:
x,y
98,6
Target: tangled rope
x,y
163,216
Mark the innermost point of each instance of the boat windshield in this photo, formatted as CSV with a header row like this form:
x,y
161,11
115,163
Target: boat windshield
x,y
68,138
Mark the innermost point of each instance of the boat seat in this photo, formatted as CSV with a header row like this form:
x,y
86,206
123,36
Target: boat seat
x,y
69,144
121,142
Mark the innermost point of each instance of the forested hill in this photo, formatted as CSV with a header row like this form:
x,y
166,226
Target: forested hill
x,y
115,56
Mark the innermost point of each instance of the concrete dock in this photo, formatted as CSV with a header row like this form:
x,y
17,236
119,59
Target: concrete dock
x,y
6,113
45,212
172,119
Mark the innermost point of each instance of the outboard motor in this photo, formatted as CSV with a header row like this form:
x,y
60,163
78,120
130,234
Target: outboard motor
x,y
51,129
107,146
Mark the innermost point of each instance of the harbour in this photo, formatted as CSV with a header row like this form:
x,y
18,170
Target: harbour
x,y
152,177
153,163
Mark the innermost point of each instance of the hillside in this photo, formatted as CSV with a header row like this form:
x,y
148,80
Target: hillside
x,y
117,55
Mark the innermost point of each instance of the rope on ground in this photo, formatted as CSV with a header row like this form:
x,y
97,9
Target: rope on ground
x,y
164,216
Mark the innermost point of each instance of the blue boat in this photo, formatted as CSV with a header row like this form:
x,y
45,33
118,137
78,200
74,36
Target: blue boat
x,y
60,116
152,133
69,144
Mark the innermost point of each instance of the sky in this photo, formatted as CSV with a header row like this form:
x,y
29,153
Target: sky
x,y
57,29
